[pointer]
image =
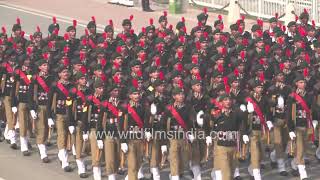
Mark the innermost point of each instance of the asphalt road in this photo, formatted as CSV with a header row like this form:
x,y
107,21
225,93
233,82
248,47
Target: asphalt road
x,y
13,166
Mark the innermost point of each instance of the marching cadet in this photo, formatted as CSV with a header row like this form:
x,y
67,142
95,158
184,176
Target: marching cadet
x,y
20,99
110,111
60,109
157,101
300,104
278,94
80,115
226,124
135,123
259,126
7,90
94,116
179,118
39,103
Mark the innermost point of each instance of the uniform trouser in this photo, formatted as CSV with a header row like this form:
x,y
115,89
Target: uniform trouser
x,y
112,152
62,131
8,111
135,155
178,153
278,132
195,153
41,125
302,137
95,152
225,161
79,140
202,150
155,153
255,149
24,119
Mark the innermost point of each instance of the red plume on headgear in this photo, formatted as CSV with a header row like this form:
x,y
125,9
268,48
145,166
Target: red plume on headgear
x,y
179,67
86,32
226,85
183,19
280,40
54,20
116,65
38,29
105,45
3,29
307,58
74,22
306,72
220,17
29,51
261,77
144,31
236,72
284,28
262,62
198,76
238,22
142,44
195,59
240,29
66,49
104,35
165,13
157,61
198,45
22,33
267,48
281,66
14,46
131,31
260,22
151,21
135,83
93,19
182,39
84,42
18,21
242,17
224,51
45,56
180,83
180,55
161,75
220,68
119,49
116,79
296,18
31,37
305,10
205,34
110,22
66,37
205,10
131,17
245,42
243,55
50,44
288,53
82,55
313,23
276,15
83,69
259,33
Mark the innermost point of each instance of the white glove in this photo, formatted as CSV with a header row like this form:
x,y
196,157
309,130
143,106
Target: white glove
x,y
245,139
50,122
14,110
314,123
292,135
191,138
243,108
100,144
85,137
200,118
270,125
124,147
208,140
280,102
33,114
148,136
164,149
71,129
153,109
250,107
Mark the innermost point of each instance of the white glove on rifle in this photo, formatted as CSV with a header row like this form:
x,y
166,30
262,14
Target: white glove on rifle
x,y
191,138
100,144
14,110
250,107
33,114
50,122
200,118
314,123
164,149
153,109
148,136
292,135
124,147
71,129
245,139
280,102
270,125
243,108
208,140
85,137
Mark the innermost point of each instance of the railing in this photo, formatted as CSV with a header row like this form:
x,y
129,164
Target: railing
x,y
268,8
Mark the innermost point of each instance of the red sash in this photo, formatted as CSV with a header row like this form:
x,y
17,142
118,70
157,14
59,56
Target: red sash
x,y
43,84
81,95
62,89
135,116
8,68
258,111
24,77
114,110
216,103
96,101
305,107
177,116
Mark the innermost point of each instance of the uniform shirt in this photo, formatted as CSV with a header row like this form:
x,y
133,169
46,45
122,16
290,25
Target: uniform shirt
x,y
37,94
80,106
8,78
23,80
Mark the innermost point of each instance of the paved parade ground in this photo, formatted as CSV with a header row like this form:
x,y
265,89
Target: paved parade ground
x,y
13,166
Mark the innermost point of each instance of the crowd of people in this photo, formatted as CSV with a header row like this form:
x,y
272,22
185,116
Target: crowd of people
x,y
257,90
